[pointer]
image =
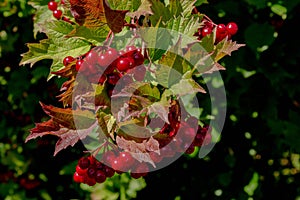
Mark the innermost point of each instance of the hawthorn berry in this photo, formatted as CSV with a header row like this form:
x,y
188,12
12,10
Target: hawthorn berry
x,y
100,176
67,60
124,64
57,14
84,163
139,73
113,78
79,63
52,5
206,31
80,171
232,28
78,178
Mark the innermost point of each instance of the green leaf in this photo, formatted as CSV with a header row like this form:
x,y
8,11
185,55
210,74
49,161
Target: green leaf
x,y
41,17
172,66
92,35
225,48
187,7
130,5
175,8
200,2
144,9
56,47
185,87
160,13
186,26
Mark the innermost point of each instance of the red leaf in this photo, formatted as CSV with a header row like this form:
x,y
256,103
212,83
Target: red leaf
x,y
42,129
140,151
93,14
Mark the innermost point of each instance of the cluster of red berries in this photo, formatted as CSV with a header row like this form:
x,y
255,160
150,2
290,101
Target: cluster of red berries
x,y
91,171
53,6
187,138
222,30
105,64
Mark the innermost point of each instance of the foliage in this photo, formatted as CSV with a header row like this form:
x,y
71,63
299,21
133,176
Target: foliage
x,y
257,156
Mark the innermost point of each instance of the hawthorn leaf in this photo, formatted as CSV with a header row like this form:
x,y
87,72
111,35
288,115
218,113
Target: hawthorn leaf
x,y
186,26
187,7
175,8
162,110
107,122
160,13
131,5
138,150
185,87
172,66
135,128
152,145
144,9
93,35
69,137
200,2
226,47
56,47
41,17
96,14
42,129
66,116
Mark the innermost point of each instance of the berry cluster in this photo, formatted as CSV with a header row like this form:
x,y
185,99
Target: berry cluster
x,y
107,65
91,171
53,6
222,30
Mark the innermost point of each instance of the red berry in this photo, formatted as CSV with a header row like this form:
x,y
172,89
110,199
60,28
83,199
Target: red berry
x,y
68,60
221,28
108,157
91,172
89,181
124,64
109,172
206,31
79,64
78,178
100,176
232,28
52,5
190,150
138,58
113,78
81,171
57,14
84,163
91,57
139,73
111,54
141,170
103,61
130,48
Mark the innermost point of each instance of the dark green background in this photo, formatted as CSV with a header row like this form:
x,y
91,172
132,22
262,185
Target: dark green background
x,y
257,157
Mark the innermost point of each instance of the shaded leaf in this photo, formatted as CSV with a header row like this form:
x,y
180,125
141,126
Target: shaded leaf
x,y
186,86
144,9
139,150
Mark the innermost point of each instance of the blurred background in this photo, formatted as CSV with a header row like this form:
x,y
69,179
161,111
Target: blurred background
x,y
258,156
